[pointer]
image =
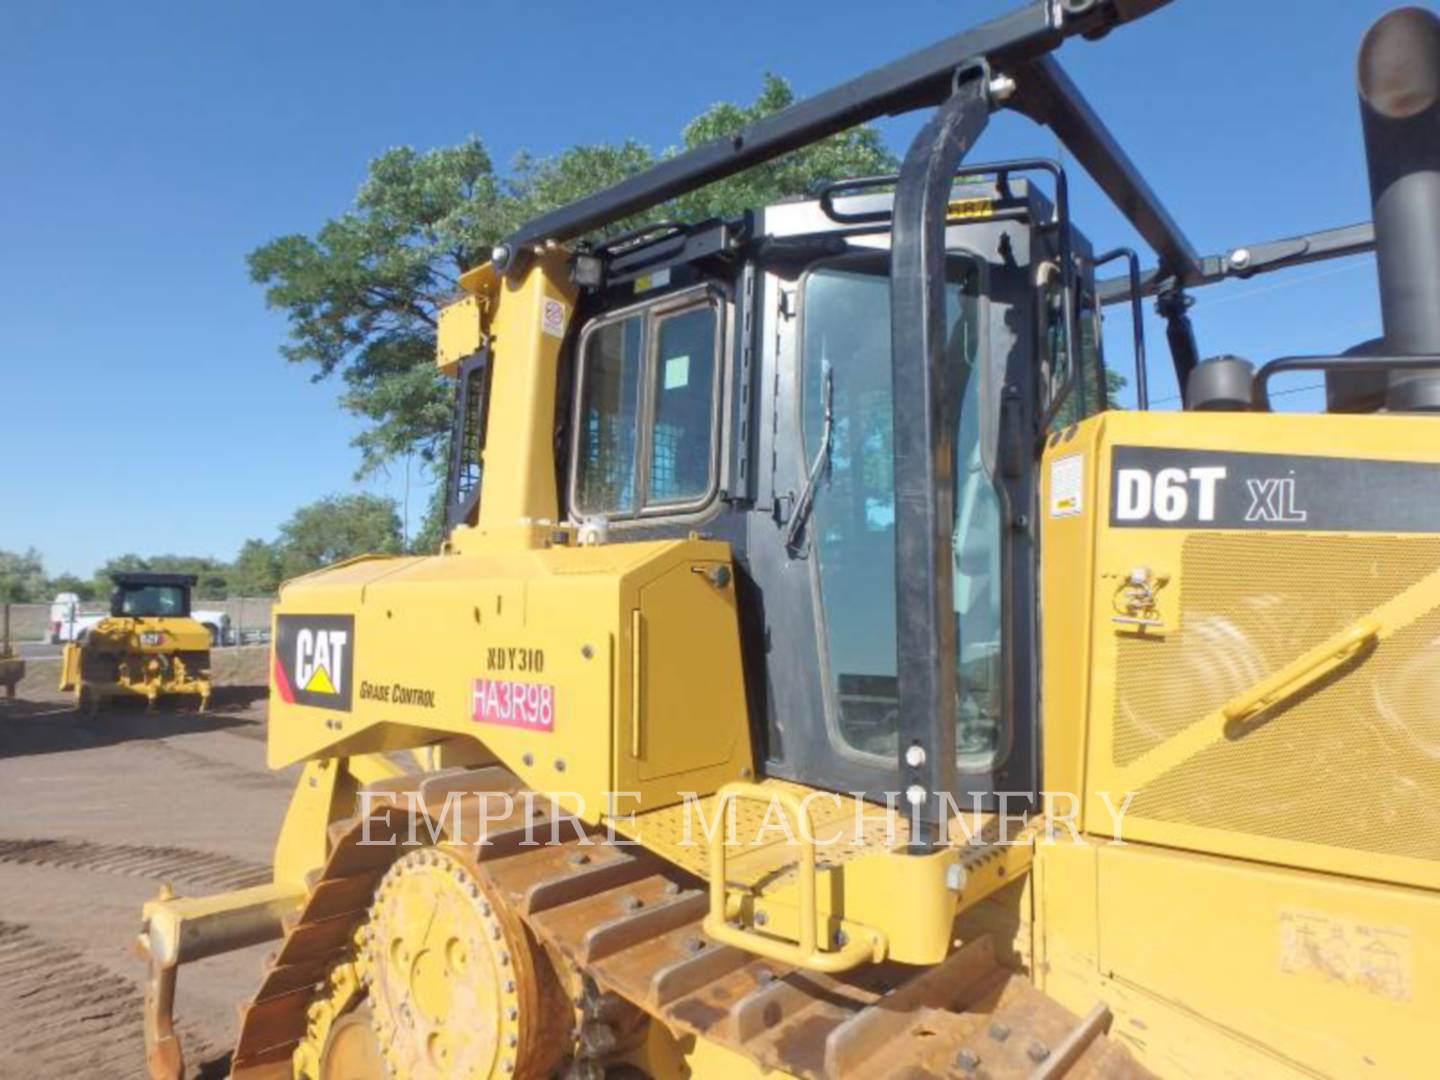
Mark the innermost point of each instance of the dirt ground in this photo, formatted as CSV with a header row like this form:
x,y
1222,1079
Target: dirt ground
x,y
95,813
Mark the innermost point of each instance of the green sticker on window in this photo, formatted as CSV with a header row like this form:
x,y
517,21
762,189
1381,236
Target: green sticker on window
x,y
677,372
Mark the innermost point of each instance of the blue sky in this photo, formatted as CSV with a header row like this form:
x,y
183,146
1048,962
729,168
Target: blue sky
x,y
149,146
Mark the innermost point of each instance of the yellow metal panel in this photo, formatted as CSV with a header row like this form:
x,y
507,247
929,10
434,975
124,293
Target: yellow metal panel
x,y
1165,1033
1344,777
1228,961
529,323
1067,551
325,793
428,632
1337,976
459,332
686,652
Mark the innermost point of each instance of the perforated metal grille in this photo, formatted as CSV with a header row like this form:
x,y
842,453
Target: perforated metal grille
x,y
1354,762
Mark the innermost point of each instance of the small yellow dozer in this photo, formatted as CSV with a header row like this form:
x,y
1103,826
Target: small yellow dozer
x,y
148,645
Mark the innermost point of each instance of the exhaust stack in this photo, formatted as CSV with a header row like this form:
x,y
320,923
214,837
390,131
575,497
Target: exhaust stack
x,y
1399,83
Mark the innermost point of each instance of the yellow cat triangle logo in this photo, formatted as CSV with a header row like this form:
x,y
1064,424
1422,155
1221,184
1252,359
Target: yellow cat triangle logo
x,y
320,683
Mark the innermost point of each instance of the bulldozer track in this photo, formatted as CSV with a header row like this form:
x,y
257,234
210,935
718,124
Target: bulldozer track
x,y
63,1016
138,861
632,923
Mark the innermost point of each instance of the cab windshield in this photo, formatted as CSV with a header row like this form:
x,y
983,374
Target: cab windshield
x,y
845,307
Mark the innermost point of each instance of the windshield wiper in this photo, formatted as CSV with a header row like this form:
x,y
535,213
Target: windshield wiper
x,y
806,502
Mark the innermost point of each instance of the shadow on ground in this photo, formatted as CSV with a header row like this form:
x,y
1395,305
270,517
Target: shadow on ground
x,y
52,725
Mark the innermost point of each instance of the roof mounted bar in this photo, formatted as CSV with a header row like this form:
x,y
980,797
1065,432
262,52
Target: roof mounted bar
x,y
1251,259
1045,94
924,78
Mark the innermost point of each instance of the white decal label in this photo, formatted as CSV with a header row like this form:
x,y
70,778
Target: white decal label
x,y
1067,485
677,373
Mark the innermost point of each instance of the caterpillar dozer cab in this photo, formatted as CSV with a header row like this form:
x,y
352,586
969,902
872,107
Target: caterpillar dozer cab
x,y
148,646
821,678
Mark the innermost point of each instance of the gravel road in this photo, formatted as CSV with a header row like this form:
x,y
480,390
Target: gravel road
x,y
96,812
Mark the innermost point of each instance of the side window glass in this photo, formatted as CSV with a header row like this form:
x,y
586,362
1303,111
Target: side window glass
x,y
1092,371
1085,397
605,479
683,382
646,430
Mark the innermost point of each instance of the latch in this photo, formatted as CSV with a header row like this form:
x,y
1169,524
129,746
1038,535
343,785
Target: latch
x,y
1137,599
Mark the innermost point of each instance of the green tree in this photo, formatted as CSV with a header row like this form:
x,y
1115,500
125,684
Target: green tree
x,y
256,570
361,294
335,528
22,577
72,584
430,534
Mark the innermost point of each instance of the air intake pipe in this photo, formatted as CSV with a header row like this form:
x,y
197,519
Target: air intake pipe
x,y
1399,83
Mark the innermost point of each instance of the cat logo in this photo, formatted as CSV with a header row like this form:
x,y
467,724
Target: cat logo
x,y
313,660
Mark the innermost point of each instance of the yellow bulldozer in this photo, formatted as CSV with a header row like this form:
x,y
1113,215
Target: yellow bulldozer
x,y
147,647
821,677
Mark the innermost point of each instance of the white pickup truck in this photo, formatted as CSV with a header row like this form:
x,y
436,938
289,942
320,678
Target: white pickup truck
x,y
68,623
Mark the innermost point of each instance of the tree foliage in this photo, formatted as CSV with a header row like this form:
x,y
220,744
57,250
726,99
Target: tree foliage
x,y
361,294
323,532
84,588
335,528
22,577
256,569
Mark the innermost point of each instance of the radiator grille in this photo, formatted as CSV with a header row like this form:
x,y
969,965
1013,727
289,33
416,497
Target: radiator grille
x,y
1353,763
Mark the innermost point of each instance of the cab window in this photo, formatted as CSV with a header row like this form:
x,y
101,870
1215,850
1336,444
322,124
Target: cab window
x,y
1087,391
646,430
150,601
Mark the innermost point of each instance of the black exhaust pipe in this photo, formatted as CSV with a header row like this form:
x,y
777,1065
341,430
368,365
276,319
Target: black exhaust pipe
x,y
1399,84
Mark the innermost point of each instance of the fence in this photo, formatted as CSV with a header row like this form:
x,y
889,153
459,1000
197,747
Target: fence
x,y
249,618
